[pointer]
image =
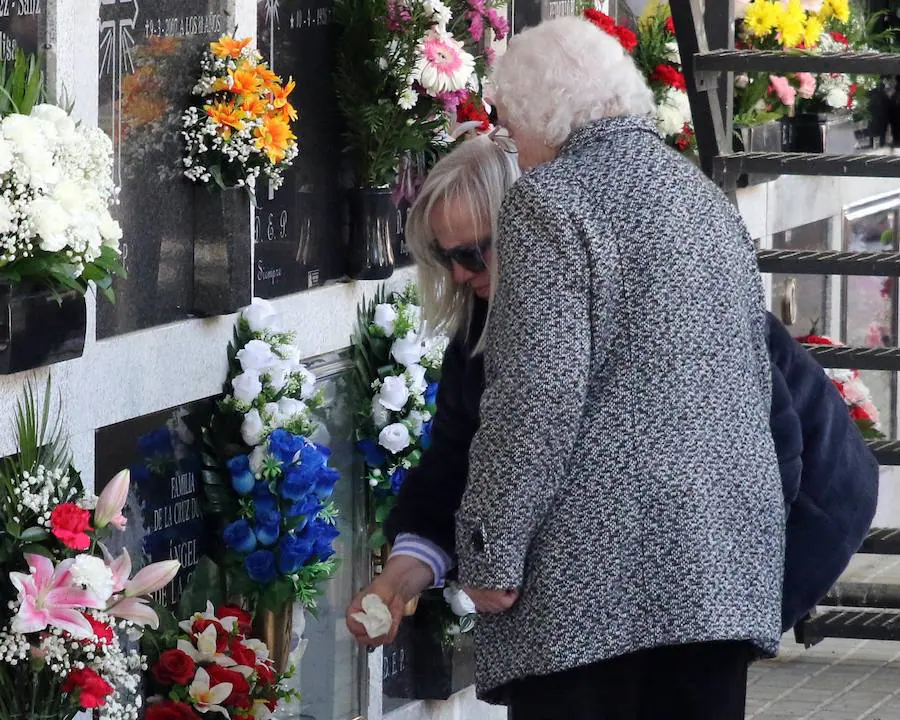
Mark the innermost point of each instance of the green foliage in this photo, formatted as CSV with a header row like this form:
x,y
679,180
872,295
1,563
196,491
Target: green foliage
x,y
21,84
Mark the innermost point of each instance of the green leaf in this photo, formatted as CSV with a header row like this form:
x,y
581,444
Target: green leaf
x,y
378,540
34,534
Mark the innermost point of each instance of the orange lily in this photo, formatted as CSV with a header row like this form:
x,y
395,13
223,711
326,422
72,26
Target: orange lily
x,y
268,77
288,113
227,46
244,81
254,106
227,117
280,94
274,137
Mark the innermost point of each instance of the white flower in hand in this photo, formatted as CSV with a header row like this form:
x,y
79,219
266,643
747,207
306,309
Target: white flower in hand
x,y
206,698
256,355
395,438
247,387
460,603
376,616
407,351
252,428
385,316
205,650
394,393
380,414
417,382
261,316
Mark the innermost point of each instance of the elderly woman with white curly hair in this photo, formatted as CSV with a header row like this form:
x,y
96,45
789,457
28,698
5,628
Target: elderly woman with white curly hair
x,y
622,526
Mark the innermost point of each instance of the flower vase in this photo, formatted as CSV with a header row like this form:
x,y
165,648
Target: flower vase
x,y
819,133
757,138
402,253
223,250
38,326
372,223
276,629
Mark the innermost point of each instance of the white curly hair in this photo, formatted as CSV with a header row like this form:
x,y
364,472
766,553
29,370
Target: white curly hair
x,y
563,74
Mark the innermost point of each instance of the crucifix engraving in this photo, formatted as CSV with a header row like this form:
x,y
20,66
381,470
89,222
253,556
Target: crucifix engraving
x,y
118,19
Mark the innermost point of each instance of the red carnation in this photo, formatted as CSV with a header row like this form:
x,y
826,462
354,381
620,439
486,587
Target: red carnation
x,y
851,95
626,37
685,139
668,75
839,37
265,674
860,415
174,667
241,654
102,632
169,710
70,525
243,617
472,110
91,688
219,674
670,25
601,20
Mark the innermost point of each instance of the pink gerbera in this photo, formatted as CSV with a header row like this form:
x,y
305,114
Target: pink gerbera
x,y
443,65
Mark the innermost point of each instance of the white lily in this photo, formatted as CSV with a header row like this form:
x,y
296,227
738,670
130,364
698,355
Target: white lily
x,y
209,614
261,710
205,651
259,647
206,698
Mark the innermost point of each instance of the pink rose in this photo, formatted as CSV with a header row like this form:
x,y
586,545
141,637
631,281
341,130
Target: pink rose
x,y
783,89
807,83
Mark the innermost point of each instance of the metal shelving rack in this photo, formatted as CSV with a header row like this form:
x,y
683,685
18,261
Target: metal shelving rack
x,y
706,42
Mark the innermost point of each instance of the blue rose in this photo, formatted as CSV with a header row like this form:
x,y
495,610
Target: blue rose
x,y
324,534
242,479
325,482
431,393
326,451
304,509
397,478
239,537
372,453
268,525
284,445
425,439
311,458
260,566
293,553
297,484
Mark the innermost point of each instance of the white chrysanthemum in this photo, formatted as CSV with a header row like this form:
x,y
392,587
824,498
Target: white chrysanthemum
x,y
442,65
673,112
439,12
92,573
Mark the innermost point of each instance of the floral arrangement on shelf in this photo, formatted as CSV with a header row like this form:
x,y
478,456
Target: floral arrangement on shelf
x,y
409,73
397,364
67,603
209,664
264,474
851,387
241,127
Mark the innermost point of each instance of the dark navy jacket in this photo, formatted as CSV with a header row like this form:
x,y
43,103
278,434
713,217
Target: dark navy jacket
x,y
830,477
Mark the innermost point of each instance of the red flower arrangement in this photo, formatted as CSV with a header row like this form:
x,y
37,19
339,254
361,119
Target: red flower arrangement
x,y
215,667
669,76
624,35
89,688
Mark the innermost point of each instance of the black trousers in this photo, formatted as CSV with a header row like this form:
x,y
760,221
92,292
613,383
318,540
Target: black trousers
x,y
703,681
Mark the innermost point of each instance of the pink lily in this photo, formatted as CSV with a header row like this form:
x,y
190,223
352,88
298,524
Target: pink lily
x,y
136,610
48,597
120,567
112,500
153,577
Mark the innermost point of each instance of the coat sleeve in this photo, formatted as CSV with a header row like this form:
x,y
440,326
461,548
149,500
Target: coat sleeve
x,y
537,358
431,493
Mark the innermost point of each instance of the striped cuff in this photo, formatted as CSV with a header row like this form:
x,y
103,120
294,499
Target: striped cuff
x,y
427,552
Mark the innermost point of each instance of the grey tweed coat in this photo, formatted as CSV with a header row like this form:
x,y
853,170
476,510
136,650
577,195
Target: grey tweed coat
x,y
624,476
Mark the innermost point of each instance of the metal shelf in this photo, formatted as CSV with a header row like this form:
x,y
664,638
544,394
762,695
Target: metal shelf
x,y
856,358
882,541
887,452
780,61
827,262
850,623
877,596
730,167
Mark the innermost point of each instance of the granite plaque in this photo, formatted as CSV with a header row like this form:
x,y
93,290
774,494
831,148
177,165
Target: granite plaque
x,y
164,511
23,26
149,61
298,226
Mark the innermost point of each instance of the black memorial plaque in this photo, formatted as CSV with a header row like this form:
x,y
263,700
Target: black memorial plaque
x,y
164,511
23,26
298,226
528,13
149,61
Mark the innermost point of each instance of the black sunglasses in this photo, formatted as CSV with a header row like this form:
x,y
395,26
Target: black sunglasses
x,y
468,257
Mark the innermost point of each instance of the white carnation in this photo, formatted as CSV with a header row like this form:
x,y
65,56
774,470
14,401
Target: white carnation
x,y
50,222
92,573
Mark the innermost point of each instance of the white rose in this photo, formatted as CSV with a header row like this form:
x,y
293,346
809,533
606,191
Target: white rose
x,y
408,350
252,427
247,387
307,383
395,438
257,458
385,315
110,230
290,408
394,393
256,355
417,420
278,375
273,412
417,382
376,617
50,222
92,573
261,316
380,414
69,194
837,98
460,603
290,354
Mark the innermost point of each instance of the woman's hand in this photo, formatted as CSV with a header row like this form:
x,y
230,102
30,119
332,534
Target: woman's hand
x,y
402,579
492,601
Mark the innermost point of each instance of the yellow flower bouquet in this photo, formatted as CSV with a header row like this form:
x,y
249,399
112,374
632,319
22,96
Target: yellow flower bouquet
x,y
240,128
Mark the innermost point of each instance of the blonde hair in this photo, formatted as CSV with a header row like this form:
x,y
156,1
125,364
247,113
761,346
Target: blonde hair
x,y
476,174
563,74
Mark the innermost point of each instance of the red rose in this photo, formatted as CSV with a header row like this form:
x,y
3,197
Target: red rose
x,y
221,633
265,674
91,688
243,617
668,75
102,632
240,700
219,674
241,654
670,25
174,667
70,524
169,710
626,37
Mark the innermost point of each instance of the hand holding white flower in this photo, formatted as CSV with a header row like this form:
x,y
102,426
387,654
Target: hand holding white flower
x,y
376,616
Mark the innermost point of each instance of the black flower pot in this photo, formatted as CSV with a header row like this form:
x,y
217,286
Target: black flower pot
x,y
223,251
38,327
757,138
819,133
372,226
